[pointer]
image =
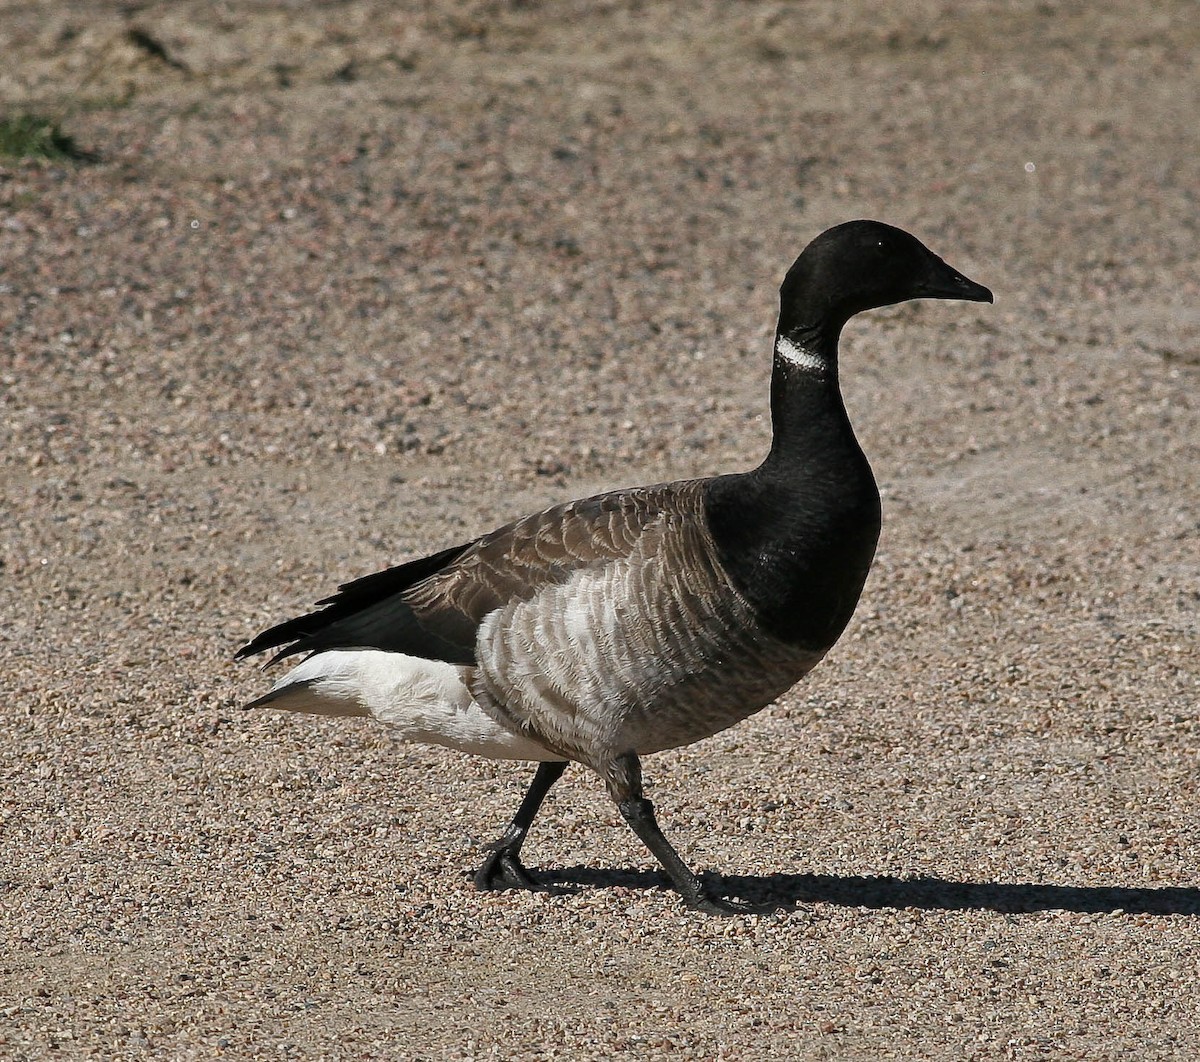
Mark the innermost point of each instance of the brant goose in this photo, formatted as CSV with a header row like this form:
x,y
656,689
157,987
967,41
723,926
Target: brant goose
x,y
603,630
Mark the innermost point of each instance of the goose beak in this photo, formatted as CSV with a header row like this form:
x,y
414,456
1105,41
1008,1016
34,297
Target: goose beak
x,y
950,284
968,290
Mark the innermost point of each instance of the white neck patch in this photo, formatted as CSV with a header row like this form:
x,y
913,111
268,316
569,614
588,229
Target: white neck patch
x,y
804,360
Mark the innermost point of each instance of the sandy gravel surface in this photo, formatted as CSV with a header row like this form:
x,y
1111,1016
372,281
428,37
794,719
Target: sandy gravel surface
x,y
352,282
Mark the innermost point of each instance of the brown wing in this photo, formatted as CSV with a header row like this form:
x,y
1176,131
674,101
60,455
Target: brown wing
x,y
516,561
432,607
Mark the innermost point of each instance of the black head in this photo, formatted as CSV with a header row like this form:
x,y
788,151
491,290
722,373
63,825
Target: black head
x,y
858,266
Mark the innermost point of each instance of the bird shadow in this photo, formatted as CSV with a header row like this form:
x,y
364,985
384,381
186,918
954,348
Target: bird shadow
x,y
789,891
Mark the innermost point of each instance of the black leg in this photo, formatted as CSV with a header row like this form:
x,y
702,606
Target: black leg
x,y
502,869
625,786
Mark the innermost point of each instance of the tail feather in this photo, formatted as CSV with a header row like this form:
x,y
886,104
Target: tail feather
x,y
366,613
307,696
427,701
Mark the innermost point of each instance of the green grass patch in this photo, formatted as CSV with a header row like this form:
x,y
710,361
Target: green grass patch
x,y
33,136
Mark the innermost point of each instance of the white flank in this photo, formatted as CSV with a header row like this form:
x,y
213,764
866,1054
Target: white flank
x,y
426,701
804,360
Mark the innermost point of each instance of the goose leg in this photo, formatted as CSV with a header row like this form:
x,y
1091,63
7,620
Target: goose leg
x,y
625,787
502,869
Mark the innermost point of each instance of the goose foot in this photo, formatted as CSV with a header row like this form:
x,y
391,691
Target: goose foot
x,y
503,869
719,905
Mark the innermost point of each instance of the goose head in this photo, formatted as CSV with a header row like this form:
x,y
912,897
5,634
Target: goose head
x,y
861,265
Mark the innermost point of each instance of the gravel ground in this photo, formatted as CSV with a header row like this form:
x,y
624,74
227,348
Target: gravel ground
x,y
350,282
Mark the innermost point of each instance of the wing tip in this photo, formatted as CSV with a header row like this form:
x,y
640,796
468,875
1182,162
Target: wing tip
x,y
281,634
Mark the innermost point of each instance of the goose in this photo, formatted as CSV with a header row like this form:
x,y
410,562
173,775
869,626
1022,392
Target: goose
x,y
603,630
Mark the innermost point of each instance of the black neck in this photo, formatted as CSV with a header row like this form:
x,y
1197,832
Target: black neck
x,y
797,534
807,412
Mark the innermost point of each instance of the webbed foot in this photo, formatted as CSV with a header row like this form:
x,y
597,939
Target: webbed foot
x,y
503,869
718,905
